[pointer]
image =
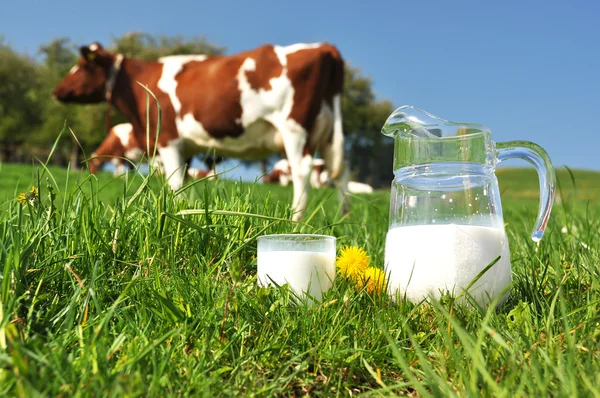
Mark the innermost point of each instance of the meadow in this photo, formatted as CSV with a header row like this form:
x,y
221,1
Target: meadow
x,y
112,287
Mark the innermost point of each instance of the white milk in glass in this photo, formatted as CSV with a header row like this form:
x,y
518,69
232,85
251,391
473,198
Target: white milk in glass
x,y
424,260
304,271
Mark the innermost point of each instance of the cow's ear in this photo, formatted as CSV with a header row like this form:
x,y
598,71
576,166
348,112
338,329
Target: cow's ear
x,y
87,53
90,52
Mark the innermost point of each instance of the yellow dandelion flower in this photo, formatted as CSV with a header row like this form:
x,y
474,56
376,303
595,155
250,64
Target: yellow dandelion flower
x,y
22,198
352,261
373,280
31,196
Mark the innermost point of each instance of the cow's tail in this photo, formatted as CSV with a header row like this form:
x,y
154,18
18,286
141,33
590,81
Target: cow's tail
x,y
336,157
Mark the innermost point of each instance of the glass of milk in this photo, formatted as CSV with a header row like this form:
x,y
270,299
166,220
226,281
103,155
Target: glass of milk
x,y
305,262
446,230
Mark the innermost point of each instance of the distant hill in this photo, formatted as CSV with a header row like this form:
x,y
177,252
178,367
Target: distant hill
x,y
523,183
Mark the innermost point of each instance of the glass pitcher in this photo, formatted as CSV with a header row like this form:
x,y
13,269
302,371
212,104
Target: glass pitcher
x,y
446,231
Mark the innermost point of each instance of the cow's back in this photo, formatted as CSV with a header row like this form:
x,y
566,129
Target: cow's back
x,y
226,94
208,93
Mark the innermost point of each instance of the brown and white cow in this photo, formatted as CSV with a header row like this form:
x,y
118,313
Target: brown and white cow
x,y
319,176
121,147
273,99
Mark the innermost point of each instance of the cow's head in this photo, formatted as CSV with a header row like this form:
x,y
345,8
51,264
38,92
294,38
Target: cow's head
x,y
87,81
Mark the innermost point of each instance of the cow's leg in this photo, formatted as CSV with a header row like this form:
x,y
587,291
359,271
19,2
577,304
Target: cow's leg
x,y
314,178
333,154
156,164
294,141
119,167
173,162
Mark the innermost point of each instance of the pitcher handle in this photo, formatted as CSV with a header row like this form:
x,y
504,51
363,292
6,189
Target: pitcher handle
x,y
538,157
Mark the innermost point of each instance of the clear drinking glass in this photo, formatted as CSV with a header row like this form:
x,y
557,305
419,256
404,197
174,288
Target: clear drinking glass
x,y
304,261
446,223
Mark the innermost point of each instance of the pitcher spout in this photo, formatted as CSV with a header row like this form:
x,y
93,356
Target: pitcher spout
x,y
408,118
411,122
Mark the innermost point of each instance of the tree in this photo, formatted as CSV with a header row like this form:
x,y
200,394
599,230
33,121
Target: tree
x,y
370,153
144,46
20,105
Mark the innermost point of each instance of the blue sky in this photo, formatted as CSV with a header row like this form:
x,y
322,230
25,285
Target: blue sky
x,y
526,69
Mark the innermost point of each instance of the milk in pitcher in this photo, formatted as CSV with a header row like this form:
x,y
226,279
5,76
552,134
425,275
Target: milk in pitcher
x,y
427,260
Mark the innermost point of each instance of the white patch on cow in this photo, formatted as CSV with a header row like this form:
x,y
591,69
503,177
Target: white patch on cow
x,y
74,69
273,105
190,127
283,51
172,65
282,165
168,84
172,161
93,47
123,131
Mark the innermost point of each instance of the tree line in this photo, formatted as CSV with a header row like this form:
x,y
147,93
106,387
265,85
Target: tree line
x,y
30,120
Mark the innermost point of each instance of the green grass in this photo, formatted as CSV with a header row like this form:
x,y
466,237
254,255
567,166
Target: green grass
x,y
112,292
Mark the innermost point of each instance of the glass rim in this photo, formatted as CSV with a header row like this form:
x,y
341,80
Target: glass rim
x,y
289,237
